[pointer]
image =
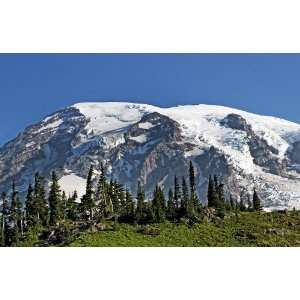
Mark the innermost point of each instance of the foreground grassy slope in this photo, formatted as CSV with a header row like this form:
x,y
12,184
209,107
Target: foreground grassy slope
x,y
248,229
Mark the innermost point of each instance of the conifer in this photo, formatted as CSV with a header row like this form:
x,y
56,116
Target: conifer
x,y
129,206
140,209
40,208
102,197
4,241
30,208
64,201
158,205
15,216
71,212
177,194
194,201
171,210
210,193
87,201
55,204
256,201
184,199
232,203
220,195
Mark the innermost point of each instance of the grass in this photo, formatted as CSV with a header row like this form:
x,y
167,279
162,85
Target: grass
x,y
274,229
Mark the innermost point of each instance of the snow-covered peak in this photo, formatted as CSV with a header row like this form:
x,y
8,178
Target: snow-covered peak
x,y
110,116
244,148
197,121
114,115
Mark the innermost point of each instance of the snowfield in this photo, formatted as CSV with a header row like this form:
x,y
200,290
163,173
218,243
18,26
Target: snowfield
x,y
200,125
196,120
72,182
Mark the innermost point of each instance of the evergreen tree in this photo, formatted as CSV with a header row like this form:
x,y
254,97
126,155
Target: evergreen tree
x,y
55,204
177,194
149,216
221,195
16,227
194,201
121,198
30,208
228,205
115,192
102,197
71,211
140,209
256,201
184,199
129,207
232,203
87,201
40,208
4,241
216,189
171,210
212,192
158,205
64,201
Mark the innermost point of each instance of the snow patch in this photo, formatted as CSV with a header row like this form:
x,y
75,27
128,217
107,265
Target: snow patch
x,y
140,139
194,152
52,125
146,125
110,116
71,182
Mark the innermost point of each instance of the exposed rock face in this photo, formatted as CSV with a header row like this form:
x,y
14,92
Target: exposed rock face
x,y
151,147
295,152
40,148
263,154
237,122
148,144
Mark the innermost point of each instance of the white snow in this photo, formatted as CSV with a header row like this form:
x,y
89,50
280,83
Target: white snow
x,y
196,121
52,125
203,120
194,152
71,182
146,125
200,124
140,139
110,116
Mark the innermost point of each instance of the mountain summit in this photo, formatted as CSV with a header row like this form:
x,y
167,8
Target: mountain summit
x,y
148,144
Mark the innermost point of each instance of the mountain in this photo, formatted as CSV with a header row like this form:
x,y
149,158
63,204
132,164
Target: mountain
x,y
139,142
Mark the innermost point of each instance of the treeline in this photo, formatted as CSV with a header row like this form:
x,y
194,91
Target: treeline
x,y
109,200
216,199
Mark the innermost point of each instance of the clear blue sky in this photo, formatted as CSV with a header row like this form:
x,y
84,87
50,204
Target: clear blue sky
x,y
34,85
